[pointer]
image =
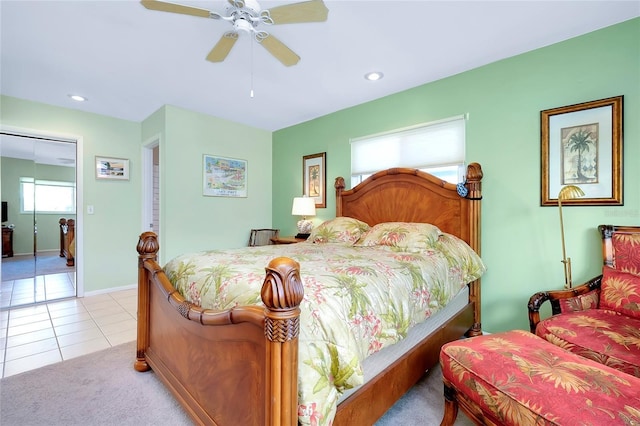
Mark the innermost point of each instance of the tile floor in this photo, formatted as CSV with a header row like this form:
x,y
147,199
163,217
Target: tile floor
x,y
41,288
42,334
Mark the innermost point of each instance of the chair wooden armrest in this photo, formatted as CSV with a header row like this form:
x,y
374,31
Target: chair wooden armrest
x,y
555,296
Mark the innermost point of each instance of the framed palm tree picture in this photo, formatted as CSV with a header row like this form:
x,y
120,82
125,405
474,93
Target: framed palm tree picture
x,y
582,146
314,180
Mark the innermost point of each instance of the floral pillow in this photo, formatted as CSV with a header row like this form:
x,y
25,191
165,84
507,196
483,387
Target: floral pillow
x,y
460,256
582,302
406,236
627,252
620,292
339,230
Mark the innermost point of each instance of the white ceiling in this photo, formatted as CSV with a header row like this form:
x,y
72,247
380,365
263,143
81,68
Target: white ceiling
x,y
129,61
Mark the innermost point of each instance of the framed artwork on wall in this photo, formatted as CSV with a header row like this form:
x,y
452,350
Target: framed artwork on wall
x,y
112,168
314,179
224,177
581,145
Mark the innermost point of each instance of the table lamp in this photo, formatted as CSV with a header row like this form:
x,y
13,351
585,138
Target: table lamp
x,y
304,206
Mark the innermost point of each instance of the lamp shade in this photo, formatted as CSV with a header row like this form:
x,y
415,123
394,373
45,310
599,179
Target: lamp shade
x,y
570,192
303,206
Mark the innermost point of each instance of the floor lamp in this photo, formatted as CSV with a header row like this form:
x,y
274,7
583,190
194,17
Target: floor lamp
x,y
569,192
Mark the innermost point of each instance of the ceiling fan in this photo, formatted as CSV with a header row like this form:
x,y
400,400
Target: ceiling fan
x,y
247,16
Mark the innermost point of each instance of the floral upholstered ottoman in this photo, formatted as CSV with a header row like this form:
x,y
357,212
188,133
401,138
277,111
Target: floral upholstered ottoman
x,y
517,378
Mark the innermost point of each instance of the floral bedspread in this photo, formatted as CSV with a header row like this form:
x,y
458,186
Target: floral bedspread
x,y
357,300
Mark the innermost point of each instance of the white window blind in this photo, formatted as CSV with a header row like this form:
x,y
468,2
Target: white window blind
x,y
439,143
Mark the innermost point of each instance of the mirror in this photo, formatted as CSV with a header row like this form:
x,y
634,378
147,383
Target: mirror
x,y
38,190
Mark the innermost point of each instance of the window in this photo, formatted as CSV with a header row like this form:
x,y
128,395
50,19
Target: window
x,y
437,148
47,196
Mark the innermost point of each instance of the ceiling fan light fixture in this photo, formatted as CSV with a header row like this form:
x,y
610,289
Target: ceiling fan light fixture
x,y
66,160
373,76
243,25
78,98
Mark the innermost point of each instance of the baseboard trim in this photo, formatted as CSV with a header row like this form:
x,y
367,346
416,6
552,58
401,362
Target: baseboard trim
x,y
109,290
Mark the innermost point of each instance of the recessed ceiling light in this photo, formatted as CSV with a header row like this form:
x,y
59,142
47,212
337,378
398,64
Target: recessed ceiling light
x,y
78,98
373,76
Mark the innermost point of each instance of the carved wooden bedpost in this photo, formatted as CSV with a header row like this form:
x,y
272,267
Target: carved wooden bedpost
x,y
147,250
339,185
63,223
474,187
282,293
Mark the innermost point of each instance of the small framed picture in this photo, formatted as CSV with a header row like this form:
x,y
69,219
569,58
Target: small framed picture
x,y
112,168
314,179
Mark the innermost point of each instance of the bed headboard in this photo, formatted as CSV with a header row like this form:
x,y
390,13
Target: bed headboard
x,y
409,195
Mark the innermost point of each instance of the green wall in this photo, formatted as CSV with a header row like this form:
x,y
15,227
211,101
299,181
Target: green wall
x,y
520,240
108,256
48,224
190,221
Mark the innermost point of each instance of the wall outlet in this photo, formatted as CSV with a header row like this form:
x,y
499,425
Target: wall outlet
x,y
89,209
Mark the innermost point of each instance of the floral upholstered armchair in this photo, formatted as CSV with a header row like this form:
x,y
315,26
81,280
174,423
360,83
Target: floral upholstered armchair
x,y
599,319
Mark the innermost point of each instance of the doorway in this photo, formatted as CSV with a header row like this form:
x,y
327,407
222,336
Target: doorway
x,y
41,228
151,185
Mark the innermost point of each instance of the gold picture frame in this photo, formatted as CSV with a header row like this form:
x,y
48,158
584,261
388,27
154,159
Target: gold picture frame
x,y
581,145
314,178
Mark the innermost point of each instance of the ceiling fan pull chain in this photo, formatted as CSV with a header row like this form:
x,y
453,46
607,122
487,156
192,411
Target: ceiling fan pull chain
x,y
251,93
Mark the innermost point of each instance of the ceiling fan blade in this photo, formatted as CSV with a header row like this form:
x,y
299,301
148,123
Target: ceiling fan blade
x,y
280,51
223,47
175,8
307,11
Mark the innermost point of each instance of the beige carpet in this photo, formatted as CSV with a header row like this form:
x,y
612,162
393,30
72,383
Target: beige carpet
x,y
103,389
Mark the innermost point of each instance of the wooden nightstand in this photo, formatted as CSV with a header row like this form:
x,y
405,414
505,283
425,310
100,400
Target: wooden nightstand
x,y
286,240
7,242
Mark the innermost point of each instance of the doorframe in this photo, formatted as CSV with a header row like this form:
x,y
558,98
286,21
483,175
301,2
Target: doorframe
x,y
147,183
79,228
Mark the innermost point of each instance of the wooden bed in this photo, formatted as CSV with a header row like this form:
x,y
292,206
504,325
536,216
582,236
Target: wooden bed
x,y
247,357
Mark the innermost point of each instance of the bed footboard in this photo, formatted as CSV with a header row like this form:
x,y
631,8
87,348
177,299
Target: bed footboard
x,y
237,366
